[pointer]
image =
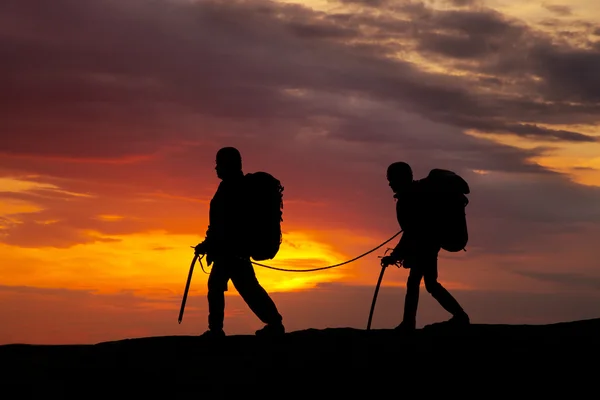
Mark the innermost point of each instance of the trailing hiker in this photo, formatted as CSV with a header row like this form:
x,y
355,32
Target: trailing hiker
x,y
244,222
431,212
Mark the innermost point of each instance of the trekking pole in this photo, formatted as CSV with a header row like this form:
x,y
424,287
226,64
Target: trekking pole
x,y
375,296
187,287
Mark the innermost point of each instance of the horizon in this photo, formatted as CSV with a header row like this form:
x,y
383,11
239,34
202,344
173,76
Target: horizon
x,y
112,113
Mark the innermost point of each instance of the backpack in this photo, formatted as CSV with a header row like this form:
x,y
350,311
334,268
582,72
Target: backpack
x,y
264,213
449,192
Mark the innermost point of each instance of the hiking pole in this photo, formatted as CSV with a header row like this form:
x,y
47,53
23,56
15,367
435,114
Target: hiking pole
x,y
383,267
187,287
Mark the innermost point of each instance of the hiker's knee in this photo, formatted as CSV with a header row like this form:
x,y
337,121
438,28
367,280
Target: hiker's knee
x,y
244,278
215,296
432,286
247,286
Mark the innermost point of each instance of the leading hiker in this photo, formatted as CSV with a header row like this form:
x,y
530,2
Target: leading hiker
x,y
225,247
417,213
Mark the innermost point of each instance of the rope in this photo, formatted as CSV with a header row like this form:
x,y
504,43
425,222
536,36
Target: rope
x,y
313,269
202,264
319,268
329,266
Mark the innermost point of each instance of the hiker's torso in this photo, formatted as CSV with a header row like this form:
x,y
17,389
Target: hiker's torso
x,y
415,212
226,216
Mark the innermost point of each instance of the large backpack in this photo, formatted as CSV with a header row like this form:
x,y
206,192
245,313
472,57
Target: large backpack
x,y
449,192
264,200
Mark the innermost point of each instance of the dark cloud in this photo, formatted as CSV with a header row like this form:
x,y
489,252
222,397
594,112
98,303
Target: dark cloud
x,y
322,98
562,10
370,3
568,279
216,58
508,48
321,31
569,74
464,3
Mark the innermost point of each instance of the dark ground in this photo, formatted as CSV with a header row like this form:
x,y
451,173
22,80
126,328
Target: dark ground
x,y
484,361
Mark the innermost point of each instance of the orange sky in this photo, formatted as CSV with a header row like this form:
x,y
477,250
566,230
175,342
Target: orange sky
x,y
110,130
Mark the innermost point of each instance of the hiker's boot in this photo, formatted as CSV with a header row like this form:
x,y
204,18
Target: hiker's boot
x,y
461,319
406,327
271,330
457,321
213,334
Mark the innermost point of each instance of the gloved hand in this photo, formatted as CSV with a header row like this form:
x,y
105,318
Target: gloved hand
x,y
388,260
201,248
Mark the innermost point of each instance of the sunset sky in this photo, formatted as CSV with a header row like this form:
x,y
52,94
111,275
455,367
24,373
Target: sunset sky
x,y
111,112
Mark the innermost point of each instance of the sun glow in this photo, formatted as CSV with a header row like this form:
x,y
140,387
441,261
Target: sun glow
x,y
150,263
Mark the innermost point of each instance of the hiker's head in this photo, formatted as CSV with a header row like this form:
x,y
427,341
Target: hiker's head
x,y
399,176
229,162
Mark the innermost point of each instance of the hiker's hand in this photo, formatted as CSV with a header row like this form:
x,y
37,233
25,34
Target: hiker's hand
x,y
200,248
388,260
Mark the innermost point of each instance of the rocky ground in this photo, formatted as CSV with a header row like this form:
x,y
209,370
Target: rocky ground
x,y
484,361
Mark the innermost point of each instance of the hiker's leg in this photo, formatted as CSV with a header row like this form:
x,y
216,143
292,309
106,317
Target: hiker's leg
x,y
257,298
217,286
430,274
411,300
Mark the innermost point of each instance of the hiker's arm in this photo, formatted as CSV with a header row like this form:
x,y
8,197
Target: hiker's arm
x,y
209,234
210,230
400,249
203,247
405,221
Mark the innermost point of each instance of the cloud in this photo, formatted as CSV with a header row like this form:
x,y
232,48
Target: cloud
x,y
561,10
166,75
325,100
566,278
369,3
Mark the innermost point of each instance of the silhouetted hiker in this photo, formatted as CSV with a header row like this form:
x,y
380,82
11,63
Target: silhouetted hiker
x,y
225,246
416,211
